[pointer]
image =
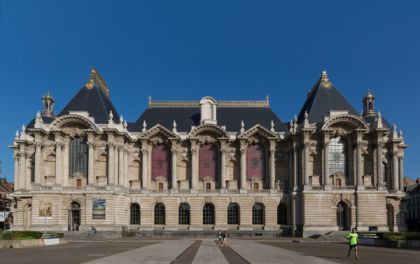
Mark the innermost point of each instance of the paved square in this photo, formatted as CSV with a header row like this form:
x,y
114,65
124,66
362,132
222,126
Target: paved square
x,y
183,251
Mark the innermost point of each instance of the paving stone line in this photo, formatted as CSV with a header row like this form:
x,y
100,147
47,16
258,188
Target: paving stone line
x,y
209,253
232,256
255,252
189,254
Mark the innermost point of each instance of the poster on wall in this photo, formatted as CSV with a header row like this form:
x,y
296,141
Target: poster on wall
x,y
45,209
98,208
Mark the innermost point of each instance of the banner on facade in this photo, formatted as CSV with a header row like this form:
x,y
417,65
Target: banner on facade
x,y
3,216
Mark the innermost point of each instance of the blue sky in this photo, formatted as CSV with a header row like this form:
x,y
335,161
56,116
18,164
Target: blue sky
x,y
227,49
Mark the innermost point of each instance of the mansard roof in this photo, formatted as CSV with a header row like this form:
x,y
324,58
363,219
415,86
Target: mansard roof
x,y
229,114
93,98
322,99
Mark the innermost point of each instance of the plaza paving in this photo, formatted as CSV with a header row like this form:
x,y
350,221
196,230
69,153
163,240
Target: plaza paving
x,y
240,251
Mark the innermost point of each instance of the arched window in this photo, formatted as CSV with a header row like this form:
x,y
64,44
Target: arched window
x,y
233,214
208,167
337,157
161,162
184,214
258,214
282,214
208,214
255,161
134,214
78,155
159,214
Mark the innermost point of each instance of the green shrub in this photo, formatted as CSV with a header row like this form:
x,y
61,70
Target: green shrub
x,y
25,235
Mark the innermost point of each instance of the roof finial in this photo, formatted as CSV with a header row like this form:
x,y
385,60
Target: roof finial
x,y
242,126
48,102
379,123
306,121
401,134
149,98
267,100
174,127
17,135
325,81
291,126
111,116
272,126
121,119
295,119
125,124
144,126
38,120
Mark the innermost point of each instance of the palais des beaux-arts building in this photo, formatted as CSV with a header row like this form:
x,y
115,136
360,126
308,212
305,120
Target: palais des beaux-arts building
x,y
208,165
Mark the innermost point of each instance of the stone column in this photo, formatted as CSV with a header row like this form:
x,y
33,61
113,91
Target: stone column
x,y
325,172
243,166
395,171
194,165
91,165
359,162
401,183
38,162
120,166
306,163
144,159
223,165
16,177
66,154
110,163
295,166
116,157
22,170
125,174
381,176
272,165
58,162
28,174
174,166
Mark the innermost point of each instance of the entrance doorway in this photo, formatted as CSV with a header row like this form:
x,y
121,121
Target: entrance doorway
x,y
343,216
74,217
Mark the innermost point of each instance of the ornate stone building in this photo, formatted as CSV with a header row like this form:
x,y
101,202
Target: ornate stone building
x,y
208,164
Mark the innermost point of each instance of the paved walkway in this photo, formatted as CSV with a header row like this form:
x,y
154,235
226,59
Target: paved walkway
x,y
206,251
159,253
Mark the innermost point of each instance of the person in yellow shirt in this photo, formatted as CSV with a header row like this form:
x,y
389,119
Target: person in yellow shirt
x,y
353,239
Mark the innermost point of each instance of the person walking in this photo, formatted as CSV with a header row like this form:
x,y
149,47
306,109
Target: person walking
x,y
219,235
225,235
353,239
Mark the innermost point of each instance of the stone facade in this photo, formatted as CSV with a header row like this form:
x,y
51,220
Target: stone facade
x,y
95,181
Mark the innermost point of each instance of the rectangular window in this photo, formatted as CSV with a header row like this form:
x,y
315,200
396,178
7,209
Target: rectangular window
x,y
208,186
79,183
160,186
255,186
98,208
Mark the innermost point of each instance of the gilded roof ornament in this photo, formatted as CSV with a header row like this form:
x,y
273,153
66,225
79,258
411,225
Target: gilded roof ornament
x,y
325,81
48,102
95,79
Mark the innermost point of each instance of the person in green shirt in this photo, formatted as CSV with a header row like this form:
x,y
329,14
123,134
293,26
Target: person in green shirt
x,y
353,239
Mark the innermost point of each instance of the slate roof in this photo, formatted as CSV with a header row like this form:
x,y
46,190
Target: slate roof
x,y
94,101
323,98
372,121
230,117
45,119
